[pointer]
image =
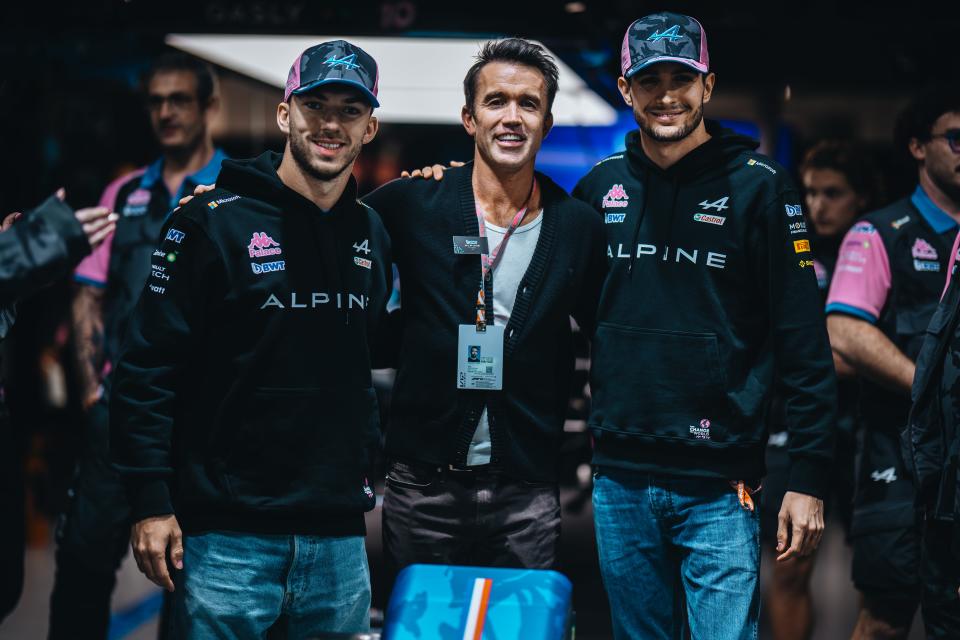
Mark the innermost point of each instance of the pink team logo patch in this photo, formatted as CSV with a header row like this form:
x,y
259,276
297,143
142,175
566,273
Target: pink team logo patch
x,y
703,431
139,198
261,245
615,198
923,251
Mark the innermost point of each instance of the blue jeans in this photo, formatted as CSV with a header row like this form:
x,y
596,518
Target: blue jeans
x,y
238,585
667,540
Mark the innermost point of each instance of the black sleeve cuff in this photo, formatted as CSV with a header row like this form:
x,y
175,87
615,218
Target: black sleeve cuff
x,y
149,498
809,477
61,217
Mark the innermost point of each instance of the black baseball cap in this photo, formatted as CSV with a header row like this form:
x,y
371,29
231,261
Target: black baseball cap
x,y
664,37
334,62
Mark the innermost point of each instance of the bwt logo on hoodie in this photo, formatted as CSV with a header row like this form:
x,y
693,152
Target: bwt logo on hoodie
x,y
268,267
616,198
261,245
712,258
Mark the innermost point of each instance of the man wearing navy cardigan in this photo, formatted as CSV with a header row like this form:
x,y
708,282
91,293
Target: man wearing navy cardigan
x,y
472,473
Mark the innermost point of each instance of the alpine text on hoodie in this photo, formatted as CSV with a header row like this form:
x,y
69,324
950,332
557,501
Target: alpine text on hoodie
x,y
710,297
243,399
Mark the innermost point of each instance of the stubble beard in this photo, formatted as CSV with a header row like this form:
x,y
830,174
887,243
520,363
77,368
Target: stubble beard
x,y
946,183
650,129
302,156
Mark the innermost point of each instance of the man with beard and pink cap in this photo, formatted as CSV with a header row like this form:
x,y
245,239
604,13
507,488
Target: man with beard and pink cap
x,y
243,418
710,301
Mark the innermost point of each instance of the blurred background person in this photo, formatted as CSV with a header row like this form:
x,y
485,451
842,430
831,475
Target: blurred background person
x,y
840,182
93,532
888,281
35,249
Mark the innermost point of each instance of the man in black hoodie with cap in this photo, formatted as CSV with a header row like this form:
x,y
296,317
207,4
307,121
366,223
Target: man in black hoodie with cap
x,y
710,297
242,408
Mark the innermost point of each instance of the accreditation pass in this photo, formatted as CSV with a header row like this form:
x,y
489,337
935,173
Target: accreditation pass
x,y
480,358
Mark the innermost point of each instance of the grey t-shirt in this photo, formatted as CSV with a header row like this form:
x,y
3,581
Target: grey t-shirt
x,y
506,280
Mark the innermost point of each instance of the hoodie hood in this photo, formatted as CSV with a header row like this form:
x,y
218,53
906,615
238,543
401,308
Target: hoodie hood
x,y
258,178
712,157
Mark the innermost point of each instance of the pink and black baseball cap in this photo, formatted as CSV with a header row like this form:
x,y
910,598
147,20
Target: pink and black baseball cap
x,y
664,37
334,62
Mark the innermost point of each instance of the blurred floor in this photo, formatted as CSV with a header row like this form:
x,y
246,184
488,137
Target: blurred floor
x,y
834,597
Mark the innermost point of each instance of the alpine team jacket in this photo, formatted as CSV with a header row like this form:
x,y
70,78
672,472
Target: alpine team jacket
x,y
431,421
931,440
710,296
43,245
243,398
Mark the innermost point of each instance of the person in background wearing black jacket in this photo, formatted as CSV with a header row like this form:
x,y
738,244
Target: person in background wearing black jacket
x,y
460,435
840,182
889,277
44,244
242,407
931,441
710,299
94,528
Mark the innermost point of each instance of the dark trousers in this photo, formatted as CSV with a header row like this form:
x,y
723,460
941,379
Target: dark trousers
x,y
940,577
92,537
12,531
433,515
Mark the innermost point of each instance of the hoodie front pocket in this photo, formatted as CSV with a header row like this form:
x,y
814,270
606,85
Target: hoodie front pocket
x,y
659,383
302,448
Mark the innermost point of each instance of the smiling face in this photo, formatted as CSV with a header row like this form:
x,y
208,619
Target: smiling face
x,y
667,99
509,118
326,129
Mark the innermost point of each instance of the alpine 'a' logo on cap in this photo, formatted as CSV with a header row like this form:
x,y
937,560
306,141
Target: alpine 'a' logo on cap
x,y
616,197
345,61
673,33
262,245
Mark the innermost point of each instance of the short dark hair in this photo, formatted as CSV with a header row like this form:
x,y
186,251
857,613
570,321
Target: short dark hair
x,y
851,160
916,121
515,50
176,61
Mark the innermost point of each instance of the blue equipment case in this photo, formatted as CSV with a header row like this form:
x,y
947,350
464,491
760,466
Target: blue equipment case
x,y
441,602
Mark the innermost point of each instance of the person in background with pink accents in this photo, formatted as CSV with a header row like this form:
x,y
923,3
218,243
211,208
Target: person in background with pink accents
x,y
889,278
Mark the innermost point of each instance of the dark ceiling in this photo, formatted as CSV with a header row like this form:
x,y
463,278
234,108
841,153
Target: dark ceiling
x,y
829,45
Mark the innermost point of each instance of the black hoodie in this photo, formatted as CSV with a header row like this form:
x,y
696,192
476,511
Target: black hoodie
x,y
244,387
711,293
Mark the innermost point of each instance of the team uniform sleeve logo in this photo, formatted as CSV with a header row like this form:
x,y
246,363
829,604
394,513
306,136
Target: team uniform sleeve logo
x,y
862,279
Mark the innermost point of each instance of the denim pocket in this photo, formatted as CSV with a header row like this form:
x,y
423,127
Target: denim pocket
x,y
660,383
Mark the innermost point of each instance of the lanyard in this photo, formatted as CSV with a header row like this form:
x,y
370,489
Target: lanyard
x,y
489,262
